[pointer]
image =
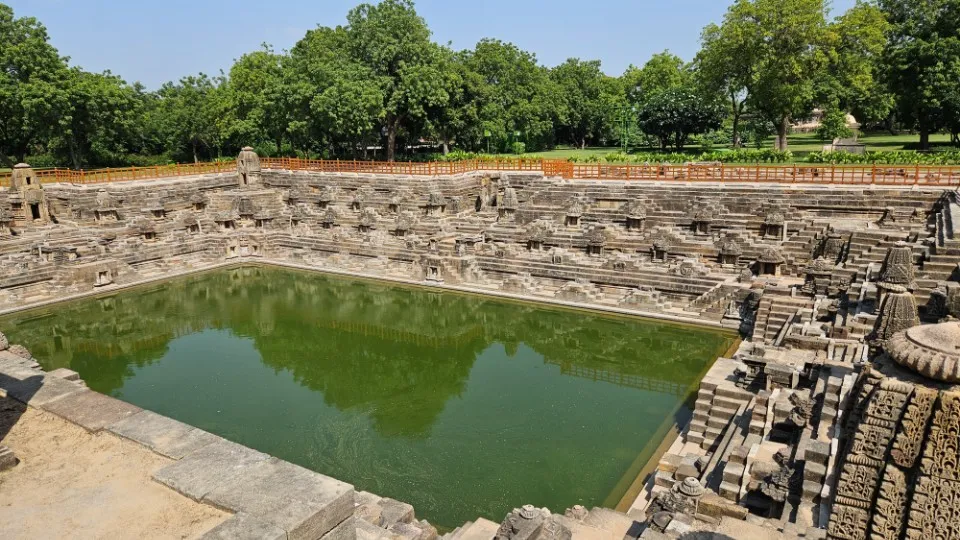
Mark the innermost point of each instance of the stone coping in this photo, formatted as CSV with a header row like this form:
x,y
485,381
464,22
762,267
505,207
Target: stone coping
x,y
270,498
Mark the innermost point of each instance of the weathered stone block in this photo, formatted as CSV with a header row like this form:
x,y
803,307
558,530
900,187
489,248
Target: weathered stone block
x,y
730,491
817,452
305,504
91,410
733,473
33,388
202,471
65,374
395,512
245,527
163,435
346,530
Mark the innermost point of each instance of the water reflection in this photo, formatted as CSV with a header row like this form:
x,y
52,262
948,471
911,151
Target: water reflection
x,y
461,405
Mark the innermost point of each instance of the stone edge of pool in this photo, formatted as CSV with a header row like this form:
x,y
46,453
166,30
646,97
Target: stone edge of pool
x,y
269,497
266,262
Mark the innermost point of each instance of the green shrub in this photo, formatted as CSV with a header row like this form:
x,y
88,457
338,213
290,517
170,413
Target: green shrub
x,y
519,147
886,158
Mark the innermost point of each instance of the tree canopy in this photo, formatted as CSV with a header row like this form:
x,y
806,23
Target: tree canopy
x,y
379,86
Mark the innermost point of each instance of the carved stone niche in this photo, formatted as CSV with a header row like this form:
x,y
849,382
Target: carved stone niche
x,y
191,225
729,252
574,213
703,221
431,267
770,261
368,220
596,240
145,229
248,167
199,201
509,202
466,244
227,221
27,185
435,204
108,209
404,224
773,225
329,219
817,277
328,194
833,246
636,215
538,233
660,250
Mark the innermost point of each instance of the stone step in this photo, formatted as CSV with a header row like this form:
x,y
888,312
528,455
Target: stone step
x,y
481,529
618,525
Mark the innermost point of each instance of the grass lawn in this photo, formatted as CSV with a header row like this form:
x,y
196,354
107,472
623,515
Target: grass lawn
x,y
801,144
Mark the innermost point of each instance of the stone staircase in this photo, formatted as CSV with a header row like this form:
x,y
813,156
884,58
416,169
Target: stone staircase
x,y
774,312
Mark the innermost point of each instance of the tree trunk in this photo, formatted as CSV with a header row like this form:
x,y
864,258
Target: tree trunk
x,y
446,146
74,157
196,159
782,127
892,124
583,143
736,121
279,143
924,138
391,141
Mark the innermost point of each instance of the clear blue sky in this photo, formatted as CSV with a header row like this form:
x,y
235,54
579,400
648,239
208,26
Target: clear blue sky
x,y
156,41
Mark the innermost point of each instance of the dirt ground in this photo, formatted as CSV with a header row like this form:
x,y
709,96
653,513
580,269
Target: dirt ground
x,y
73,484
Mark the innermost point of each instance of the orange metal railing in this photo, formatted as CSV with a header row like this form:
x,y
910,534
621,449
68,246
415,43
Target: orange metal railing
x,y
886,175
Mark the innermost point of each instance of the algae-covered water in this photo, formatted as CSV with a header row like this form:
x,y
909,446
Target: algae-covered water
x,y
463,406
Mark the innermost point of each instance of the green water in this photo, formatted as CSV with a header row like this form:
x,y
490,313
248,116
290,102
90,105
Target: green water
x,y
463,406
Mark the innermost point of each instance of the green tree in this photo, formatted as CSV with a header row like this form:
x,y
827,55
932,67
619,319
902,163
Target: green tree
x,y
393,41
514,94
853,80
675,114
590,100
258,95
186,116
784,41
833,125
32,81
100,122
339,102
725,65
662,72
922,60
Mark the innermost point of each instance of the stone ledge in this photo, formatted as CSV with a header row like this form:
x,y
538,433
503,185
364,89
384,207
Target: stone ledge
x,y
163,435
207,468
91,410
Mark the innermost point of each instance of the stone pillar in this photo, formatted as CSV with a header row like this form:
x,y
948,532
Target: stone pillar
x,y
248,167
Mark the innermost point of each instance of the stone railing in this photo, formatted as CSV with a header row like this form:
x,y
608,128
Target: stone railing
x,y
887,175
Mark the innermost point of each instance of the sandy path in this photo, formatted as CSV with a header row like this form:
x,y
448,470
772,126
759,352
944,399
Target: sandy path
x,y
72,484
